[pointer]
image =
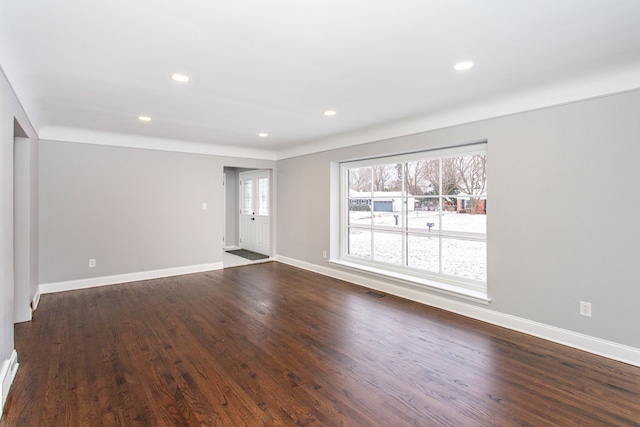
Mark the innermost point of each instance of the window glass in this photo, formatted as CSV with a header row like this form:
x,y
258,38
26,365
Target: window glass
x,y
387,247
263,196
464,258
388,212
360,180
360,243
423,252
360,211
425,213
422,177
248,196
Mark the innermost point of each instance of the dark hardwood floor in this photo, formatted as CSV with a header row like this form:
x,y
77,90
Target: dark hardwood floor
x,y
269,344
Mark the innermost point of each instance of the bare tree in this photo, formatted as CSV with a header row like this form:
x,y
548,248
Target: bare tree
x,y
360,179
397,183
414,174
471,176
431,172
449,176
382,177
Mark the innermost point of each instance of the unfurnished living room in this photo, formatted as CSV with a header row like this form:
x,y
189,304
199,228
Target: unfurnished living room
x,y
337,213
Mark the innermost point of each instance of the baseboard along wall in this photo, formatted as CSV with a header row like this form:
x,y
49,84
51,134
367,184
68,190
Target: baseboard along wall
x,y
93,282
609,349
7,374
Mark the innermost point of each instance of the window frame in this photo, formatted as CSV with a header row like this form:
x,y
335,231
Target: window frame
x,y
457,285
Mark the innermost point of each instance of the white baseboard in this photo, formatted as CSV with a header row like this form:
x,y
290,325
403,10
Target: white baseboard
x,y
7,374
609,349
47,288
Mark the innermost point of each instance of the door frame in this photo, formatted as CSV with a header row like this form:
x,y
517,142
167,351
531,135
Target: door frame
x,y
270,203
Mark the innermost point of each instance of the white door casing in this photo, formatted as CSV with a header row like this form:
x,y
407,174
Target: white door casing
x,y
255,211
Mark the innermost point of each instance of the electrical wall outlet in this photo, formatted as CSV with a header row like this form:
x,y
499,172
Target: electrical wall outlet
x,y
92,262
585,309
324,254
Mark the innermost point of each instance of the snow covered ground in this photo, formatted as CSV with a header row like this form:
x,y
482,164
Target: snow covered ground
x,y
451,221
460,257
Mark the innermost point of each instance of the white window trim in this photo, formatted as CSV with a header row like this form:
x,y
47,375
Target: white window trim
x,y
467,289
438,286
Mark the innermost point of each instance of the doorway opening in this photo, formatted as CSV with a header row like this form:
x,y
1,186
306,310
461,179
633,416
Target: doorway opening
x,y
247,216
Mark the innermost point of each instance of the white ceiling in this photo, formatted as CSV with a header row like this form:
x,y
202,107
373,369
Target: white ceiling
x,y
87,68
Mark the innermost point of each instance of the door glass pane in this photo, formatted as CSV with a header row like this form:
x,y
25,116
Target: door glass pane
x,y
263,196
248,197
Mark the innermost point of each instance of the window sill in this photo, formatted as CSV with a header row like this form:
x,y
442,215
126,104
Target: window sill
x,y
431,285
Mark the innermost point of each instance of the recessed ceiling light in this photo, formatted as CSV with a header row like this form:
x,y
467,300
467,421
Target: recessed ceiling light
x,y
330,113
462,66
180,78
263,135
144,118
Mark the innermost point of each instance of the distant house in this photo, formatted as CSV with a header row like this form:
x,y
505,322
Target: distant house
x,y
383,201
464,203
391,201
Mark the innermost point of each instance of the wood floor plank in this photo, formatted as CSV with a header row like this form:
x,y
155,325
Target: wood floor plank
x,y
272,345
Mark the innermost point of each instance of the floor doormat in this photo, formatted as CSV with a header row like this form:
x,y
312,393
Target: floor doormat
x,y
248,254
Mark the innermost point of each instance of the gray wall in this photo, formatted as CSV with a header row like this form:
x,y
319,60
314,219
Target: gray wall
x,y
10,112
232,211
563,210
132,210
6,222
25,226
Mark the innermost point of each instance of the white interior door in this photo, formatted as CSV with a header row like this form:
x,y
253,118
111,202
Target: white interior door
x,y
255,211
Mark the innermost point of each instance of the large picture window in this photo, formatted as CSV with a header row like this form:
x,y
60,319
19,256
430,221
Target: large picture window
x,y
422,214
